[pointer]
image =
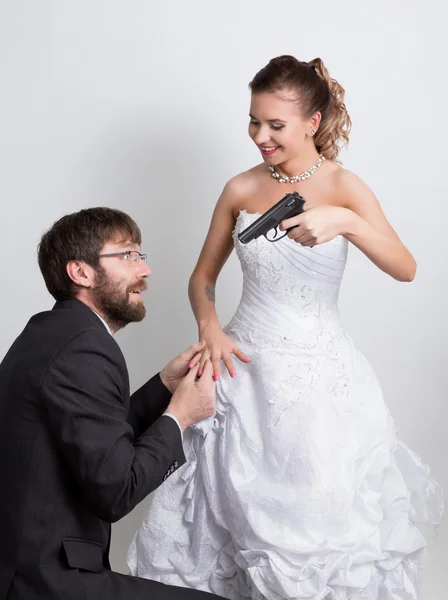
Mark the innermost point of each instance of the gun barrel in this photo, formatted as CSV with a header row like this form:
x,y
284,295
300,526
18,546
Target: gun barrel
x,y
290,205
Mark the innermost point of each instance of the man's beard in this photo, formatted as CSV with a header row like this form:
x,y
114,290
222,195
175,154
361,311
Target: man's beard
x,y
114,302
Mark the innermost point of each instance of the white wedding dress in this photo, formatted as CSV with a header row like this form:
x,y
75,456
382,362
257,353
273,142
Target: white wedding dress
x,y
297,488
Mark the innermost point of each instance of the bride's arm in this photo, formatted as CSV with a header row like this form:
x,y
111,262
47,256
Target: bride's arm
x,y
201,290
369,230
215,252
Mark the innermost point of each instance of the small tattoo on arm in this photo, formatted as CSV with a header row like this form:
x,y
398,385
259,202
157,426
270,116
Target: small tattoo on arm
x,y
210,292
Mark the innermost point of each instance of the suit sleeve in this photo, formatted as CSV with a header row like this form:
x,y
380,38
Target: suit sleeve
x,y
148,403
84,396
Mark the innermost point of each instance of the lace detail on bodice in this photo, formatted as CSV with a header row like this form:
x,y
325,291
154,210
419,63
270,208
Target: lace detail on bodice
x,y
290,292
287,270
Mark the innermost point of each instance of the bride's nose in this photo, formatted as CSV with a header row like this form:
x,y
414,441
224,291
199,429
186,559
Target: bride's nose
x,y
262,136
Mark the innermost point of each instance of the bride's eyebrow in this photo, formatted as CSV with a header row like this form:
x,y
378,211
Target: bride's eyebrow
x,y
269,121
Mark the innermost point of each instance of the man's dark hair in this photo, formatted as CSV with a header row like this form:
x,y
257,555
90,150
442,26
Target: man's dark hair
x,y
81,236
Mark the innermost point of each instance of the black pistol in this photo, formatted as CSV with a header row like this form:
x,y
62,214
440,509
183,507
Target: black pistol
x,y
289,206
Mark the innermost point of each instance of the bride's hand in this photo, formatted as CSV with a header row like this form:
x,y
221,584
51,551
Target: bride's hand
x,y
318,225
218,347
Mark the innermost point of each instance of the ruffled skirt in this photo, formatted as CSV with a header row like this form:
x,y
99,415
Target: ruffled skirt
x,y
297,489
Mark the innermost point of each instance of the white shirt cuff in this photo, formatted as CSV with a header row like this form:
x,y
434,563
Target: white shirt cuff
x,y
167,414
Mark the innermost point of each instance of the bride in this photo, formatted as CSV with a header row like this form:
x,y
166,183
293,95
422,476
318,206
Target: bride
x,y
298,487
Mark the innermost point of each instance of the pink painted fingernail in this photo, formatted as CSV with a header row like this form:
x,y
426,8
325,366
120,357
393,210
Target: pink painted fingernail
x,y
216,376
200,372
190,366
233,374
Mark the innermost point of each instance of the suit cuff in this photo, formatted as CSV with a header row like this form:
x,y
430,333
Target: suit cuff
x,y
161,388
167,414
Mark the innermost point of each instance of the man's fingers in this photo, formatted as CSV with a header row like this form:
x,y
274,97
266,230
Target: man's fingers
x,y
194,349
198,347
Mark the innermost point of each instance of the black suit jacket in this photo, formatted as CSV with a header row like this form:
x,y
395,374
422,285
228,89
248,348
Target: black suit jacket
x,y
76,454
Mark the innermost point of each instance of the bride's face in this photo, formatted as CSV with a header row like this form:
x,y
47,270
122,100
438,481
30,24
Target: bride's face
x,y
277,127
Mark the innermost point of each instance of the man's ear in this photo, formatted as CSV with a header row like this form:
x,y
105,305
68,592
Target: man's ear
x,y
81,273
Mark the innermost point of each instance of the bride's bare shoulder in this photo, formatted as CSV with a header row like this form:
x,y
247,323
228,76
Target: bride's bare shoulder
x,y
244,184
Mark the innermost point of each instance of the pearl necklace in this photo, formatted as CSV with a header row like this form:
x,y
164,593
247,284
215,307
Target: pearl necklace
x,y
295,178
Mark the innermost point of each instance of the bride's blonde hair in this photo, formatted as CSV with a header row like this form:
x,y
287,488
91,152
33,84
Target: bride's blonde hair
x,y
316,92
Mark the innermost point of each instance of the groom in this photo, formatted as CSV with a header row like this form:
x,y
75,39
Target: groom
x,y
77,453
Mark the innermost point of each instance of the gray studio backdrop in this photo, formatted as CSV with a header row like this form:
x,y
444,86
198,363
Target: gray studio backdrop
x,y
143,106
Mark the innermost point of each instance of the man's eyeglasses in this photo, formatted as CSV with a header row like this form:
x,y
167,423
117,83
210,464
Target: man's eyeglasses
x,y
132,256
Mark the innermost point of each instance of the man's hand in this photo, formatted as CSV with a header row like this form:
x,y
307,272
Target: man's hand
x,y
177,368
195,398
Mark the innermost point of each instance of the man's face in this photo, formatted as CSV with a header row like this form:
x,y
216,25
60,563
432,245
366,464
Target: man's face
x,y
119,283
